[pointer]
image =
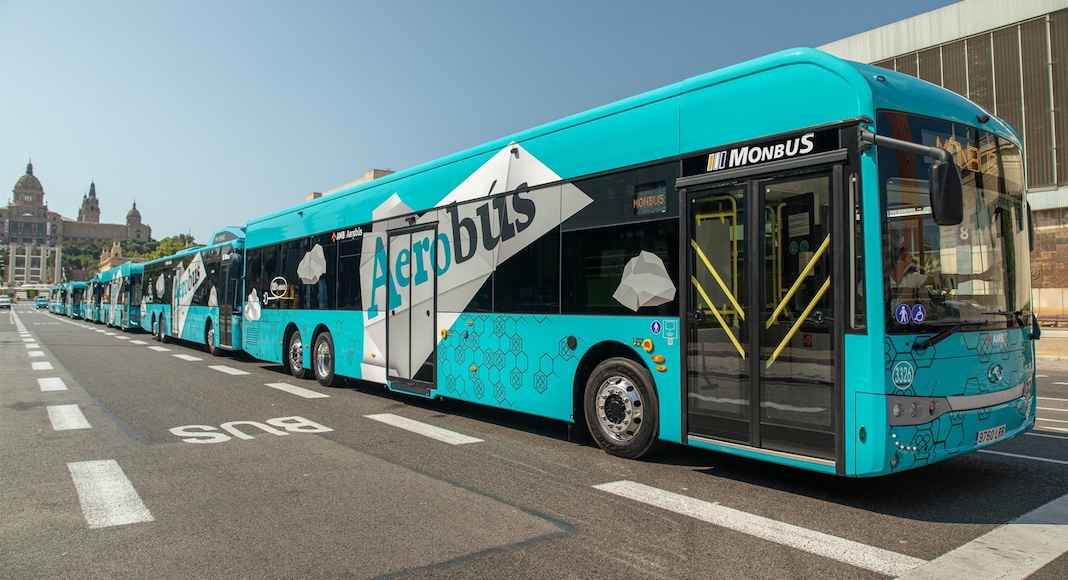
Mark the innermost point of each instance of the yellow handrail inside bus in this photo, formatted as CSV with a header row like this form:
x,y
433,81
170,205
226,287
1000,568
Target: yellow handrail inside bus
x,y
719,317
797,323
722,284
797,283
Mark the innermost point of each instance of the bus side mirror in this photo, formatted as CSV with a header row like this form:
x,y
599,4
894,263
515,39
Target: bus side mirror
x,y
237,266
947,195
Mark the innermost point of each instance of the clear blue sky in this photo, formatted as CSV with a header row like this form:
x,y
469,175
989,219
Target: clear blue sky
x,y
211,112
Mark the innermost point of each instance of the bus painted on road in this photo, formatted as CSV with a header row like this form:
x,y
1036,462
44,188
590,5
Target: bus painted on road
x,y
194,294
797,259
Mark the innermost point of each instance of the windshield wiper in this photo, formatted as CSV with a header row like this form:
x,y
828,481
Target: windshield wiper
x,y
924,345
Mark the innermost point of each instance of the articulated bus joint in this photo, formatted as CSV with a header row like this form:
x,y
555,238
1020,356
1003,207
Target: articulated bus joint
x,y
909,411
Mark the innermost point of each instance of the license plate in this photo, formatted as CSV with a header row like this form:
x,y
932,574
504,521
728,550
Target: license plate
x,y
989,435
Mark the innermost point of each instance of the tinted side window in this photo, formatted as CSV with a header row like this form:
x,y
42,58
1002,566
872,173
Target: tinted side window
x,y
529,282
595,260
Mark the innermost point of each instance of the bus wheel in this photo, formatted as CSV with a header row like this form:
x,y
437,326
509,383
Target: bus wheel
x,y
163,333
209,339
621,408
155,329
323,360
295,356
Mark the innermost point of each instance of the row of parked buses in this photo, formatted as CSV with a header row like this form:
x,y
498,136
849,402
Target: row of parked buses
x,y
797,259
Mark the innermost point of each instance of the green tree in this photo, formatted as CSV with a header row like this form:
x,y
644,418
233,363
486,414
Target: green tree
x,y
172,245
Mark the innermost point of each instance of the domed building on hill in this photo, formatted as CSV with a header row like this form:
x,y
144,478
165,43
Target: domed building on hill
x,y
32,234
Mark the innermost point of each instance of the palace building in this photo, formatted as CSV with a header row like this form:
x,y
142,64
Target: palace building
x,y
33,234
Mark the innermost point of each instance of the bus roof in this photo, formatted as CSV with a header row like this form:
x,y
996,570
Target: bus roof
x,y
766,96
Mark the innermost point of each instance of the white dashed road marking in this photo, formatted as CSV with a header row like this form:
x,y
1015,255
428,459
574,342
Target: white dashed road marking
x,y
67,417
293,390
450,437
107,496
819,543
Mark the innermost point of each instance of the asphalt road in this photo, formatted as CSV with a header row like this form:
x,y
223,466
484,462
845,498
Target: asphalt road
x,y
121,460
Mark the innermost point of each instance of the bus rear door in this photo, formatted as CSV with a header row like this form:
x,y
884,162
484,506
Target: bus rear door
x,y
411,337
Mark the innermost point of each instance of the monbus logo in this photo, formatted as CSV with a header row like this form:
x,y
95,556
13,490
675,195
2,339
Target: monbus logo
x,y
751,155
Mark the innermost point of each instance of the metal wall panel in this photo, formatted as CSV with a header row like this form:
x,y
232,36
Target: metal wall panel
x,y
906,64
930,65
1008,102
980,71
1058,24
1034,51
955,68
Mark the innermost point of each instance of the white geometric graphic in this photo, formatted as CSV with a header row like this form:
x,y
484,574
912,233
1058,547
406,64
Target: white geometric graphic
x,y
645,282
312,266
252,306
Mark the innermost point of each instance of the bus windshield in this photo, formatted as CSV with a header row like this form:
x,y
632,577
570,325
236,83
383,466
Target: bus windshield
x,y
973,274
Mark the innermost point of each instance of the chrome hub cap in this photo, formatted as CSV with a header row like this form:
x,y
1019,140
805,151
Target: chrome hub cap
x,y
619,408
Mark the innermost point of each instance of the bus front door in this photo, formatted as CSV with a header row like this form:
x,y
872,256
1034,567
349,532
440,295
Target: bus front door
x,y
761,349
411,337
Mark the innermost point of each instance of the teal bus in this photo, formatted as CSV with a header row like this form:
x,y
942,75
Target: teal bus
x,y
56,298
73,299
796,259
113,297
193,294
94,299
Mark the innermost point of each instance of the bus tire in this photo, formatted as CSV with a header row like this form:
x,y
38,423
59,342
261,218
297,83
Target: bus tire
x,y
209,339
294,356
621,408
323,360
155,329
163,333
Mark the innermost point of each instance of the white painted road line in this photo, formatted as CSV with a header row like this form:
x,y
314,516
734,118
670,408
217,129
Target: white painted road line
x,y
67,417
227,370
42,366
107,496
34,353
187,357
450,437
52,384
826,545
159,348
138,342
307,394
30,345
1014,550
120,337
1057,461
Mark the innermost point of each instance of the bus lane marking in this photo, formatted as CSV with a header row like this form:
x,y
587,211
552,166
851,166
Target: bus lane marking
x,y
228,370
159,348
41,366
1013,550
30,345
67,417
107,496
35,353
818,543
294,390
187,357
444,435
138,342
52,384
